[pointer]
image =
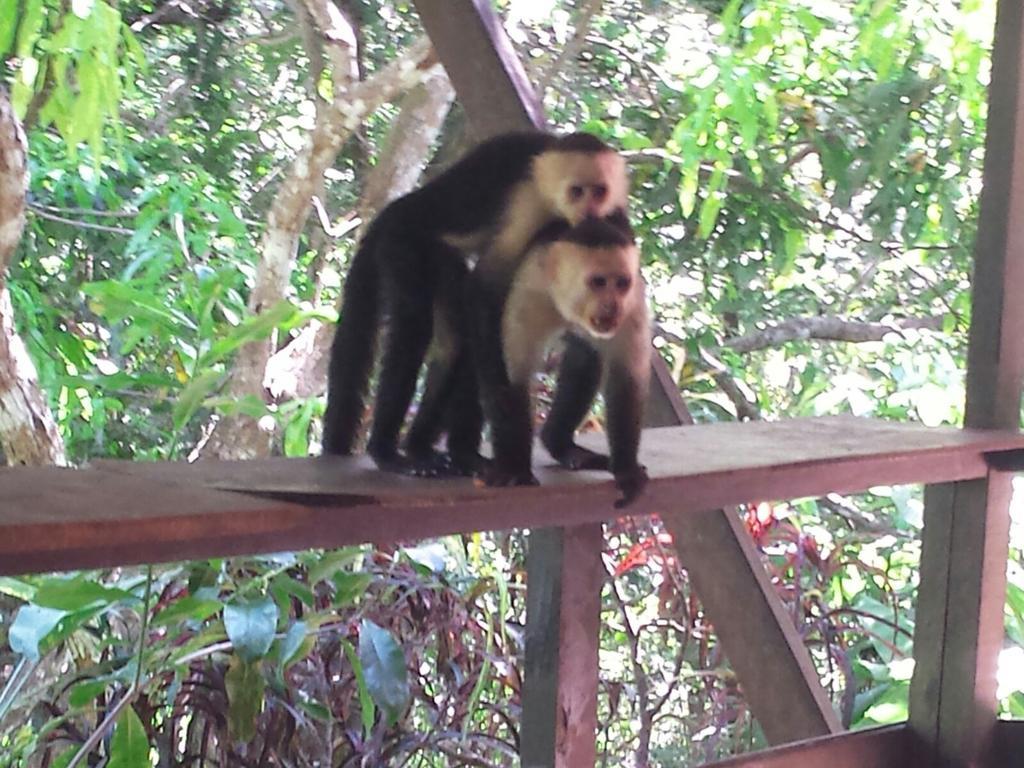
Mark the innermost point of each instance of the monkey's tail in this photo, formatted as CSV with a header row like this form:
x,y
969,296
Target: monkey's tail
x,y
352,351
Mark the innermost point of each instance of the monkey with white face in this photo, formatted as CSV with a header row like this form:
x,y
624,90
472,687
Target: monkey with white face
x,y
583,282
411,268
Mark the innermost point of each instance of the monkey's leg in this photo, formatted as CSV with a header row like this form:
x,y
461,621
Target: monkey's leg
x,y
506,404
624,398
409,295
423,459
465,419
579,376
450,396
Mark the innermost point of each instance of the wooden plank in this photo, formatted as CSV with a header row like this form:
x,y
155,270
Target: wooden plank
x,y
55,519
963,562
340,501
888,747
740,462
751,624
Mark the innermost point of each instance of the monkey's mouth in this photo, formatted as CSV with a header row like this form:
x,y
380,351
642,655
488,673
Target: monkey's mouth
x,y
604,325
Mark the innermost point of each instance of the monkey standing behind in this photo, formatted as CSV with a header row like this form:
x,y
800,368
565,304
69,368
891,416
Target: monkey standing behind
x,y
413,259
585,281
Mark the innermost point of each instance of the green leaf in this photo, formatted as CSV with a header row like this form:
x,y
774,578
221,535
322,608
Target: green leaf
x,y
384,667
367,709
17,588
291,646
186,608
332,561
296,432
245,687
284,587
348,586
254,328
75,593
250,625
31,26
64,758
8,25
688,189
31,627
194,395
129,746
84,692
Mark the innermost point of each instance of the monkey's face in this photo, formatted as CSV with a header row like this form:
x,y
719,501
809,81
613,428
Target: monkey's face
x,y
595,288
580,185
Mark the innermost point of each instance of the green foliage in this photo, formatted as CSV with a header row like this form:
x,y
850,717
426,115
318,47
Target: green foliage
x,y
376,663
129,747
791,160
74,66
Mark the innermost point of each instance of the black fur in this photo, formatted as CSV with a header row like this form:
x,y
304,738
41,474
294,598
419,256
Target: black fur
x,y
404,263
579,377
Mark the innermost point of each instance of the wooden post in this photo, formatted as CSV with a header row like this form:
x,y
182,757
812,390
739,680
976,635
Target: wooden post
x,y
959,626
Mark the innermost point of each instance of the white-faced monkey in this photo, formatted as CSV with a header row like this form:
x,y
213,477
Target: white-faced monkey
x,y
585,281
413,260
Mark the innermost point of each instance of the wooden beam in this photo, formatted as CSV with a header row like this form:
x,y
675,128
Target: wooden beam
x,y
482,65
959,626
1009,740
886,747
752,624
558,729
959,619
62,518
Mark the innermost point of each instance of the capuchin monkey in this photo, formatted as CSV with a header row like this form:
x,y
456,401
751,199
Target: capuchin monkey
x,y
584,282
411,267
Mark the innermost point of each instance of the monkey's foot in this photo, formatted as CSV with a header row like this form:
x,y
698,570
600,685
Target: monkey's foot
x,y
577,457
430,464
468,463
501,477
631,482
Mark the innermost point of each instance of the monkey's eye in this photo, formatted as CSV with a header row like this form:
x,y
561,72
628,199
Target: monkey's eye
x,y
622,283
575,192
597,282
600,191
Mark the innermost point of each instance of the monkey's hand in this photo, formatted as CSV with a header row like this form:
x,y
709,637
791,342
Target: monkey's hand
x,y
501,477
631,482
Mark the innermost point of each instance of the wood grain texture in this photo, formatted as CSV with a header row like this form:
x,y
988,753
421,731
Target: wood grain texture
x,y
483,66
123,513
888,747
958,631
963,562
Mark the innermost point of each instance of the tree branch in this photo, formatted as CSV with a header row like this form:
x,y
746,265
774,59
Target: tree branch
x,y
828,329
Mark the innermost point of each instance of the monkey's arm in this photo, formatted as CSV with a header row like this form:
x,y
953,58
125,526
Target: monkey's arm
x,y
626,387
579,377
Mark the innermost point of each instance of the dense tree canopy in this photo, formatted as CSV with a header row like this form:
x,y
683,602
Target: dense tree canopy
x,y
805,186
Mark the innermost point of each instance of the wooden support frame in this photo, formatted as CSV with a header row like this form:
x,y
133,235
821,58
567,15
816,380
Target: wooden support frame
x,y
496,95
959,626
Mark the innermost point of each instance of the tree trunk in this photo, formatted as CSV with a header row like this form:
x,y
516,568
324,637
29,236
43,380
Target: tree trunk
x,y
240,436
28,432
300,368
